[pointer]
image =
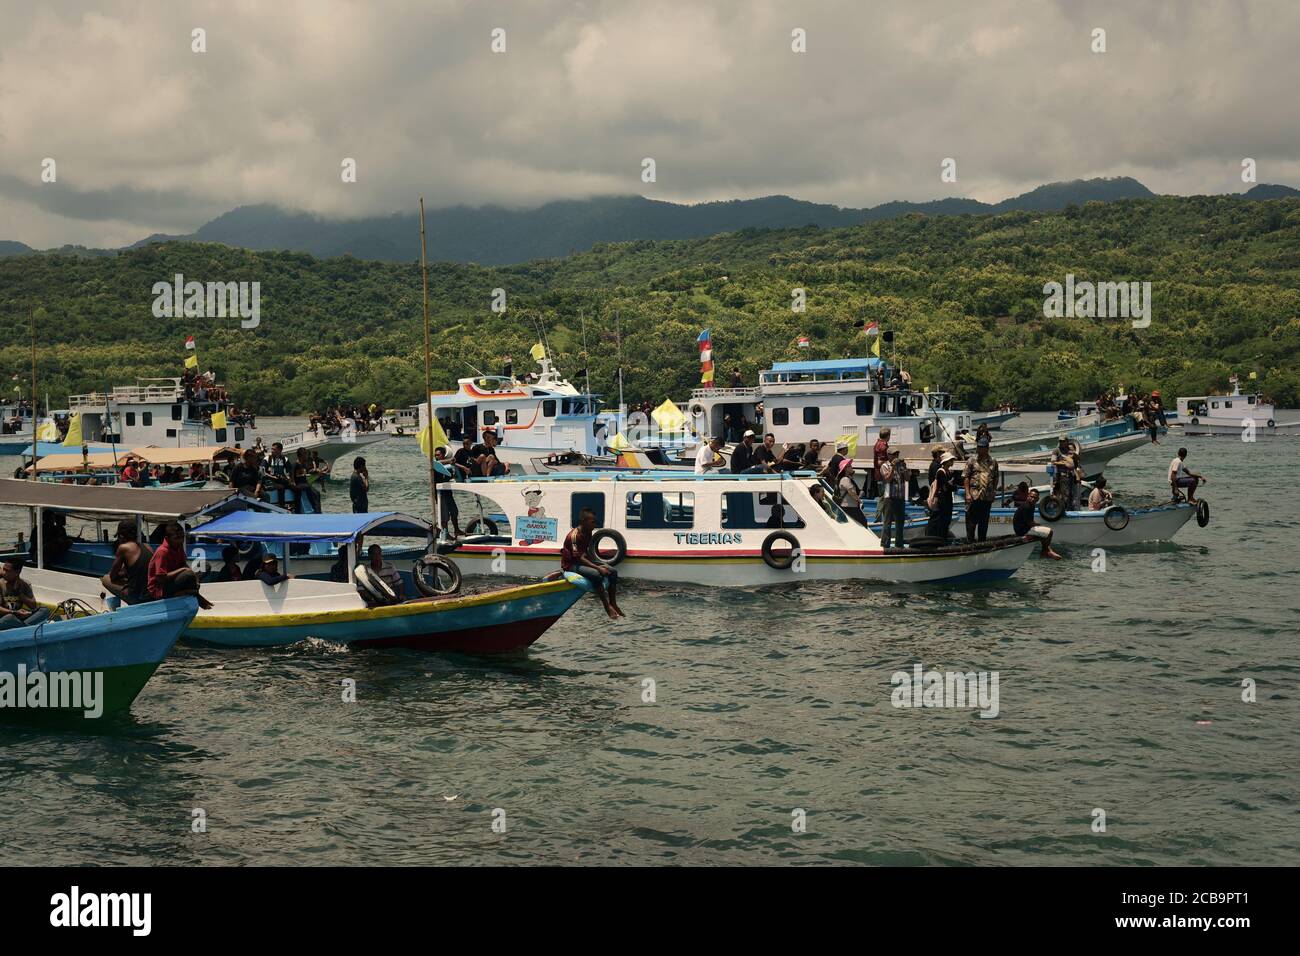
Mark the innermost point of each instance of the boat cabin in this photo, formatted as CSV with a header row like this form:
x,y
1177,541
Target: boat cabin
x,y
156,411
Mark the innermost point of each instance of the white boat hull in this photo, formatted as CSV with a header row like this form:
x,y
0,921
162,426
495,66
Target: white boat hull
x,y
747,569
332,447
1237,429
1088,528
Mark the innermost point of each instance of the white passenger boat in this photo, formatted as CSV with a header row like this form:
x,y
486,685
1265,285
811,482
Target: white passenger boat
x,y
15,426
994,420
401,421
1116,526
157,411
333,445
1237,415
722,530
545,419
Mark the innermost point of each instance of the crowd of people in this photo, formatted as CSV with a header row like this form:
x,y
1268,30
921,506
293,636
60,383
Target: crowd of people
x,y
347,418
205,397
1146,411
270,475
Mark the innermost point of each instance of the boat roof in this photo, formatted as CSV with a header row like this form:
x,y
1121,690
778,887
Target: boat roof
x,y
653,474
335,528
150,503
839,366
72,460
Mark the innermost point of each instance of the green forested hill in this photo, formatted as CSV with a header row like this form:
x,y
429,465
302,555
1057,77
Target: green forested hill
x,y
963,295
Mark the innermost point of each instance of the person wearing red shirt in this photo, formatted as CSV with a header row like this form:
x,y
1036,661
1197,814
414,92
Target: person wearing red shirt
x,y
575,556
880,455
169,572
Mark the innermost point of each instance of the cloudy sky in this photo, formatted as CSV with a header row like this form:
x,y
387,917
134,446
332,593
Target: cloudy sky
x,y
149,136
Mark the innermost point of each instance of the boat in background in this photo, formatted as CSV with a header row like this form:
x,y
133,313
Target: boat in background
x,y
120,648
332,446
16,429
545,418
158,412
401,421
994,419
1234,414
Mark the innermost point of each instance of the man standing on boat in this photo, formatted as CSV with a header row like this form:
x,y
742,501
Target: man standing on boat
x,y
359,486
576,556
981,484
939,500
880,455
1064,463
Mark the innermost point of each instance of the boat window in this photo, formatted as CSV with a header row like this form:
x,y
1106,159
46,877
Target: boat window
x,y
866,404
744,510
219,436
171,433
176,413
239,434
146,418
780,416
548,408
130,418
595,500
512,416
657,509
489,417
1214,404
812,415
887,404
1250,399
1227,404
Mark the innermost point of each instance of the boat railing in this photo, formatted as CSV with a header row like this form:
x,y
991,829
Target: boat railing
x,y
651,475
751,393
128,394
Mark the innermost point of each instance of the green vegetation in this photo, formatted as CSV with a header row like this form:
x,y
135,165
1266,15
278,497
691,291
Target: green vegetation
x,y
963,295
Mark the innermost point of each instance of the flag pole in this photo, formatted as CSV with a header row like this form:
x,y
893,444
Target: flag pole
x,y
31,317
428,397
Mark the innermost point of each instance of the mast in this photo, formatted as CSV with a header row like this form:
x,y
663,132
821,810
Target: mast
x,y
31,318
622,409
428,398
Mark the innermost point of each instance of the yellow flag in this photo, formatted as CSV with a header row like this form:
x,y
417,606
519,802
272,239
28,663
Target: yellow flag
x,y
218,420
438,438
1253,375
851,440
619,442
191,361
47,431
875,346
73,438
537,352
668,416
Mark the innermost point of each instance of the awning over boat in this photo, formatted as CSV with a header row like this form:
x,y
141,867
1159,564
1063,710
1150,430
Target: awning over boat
x,y
73,461
153,503
336,528
58,448
851,366
186,456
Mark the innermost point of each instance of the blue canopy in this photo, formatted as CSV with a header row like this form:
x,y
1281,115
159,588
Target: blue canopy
x,y
840,366
44,448
335,528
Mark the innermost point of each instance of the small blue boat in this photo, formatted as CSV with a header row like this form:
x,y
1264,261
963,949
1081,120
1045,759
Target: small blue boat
x,y
92,666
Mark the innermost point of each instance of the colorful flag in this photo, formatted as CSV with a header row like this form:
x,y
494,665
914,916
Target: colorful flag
x,y
873,328
538,352
706,359
218,420
433,437
189,342
191,361
875,347
73,438
803,342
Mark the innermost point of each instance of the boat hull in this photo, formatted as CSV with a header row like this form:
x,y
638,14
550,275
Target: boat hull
x,y
1237,430
494,622
332,447
124,646
1088,528
747,568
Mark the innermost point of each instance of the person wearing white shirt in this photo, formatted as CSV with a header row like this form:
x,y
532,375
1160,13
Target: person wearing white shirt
x,y
1180,476
708,458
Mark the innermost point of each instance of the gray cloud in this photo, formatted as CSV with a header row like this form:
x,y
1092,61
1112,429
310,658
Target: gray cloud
x,y
152,137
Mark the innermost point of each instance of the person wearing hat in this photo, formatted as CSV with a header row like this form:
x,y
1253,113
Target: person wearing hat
x,y
939,501
850,496
981,481
709,457
742,458
836,462
1065,460
893,512
271,574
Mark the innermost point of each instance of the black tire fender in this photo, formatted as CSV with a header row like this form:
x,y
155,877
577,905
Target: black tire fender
x,y
771,559
620,546
1271,423
481,526
1202,512
1051,508
426,573
1116,518
373,586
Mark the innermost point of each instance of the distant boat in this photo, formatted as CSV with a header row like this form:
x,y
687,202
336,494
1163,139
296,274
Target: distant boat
x,y
1232,415
332,446
123,648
